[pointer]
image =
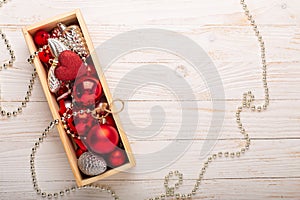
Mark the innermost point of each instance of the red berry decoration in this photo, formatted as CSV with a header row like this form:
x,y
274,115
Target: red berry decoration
x,y
45,55
41,38
87,90
102,139
69,64
117,158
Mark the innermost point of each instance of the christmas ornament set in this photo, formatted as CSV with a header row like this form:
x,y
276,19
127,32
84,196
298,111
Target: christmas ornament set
x,y
84,111
88,128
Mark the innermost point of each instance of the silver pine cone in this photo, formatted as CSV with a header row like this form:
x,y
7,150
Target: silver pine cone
x,y
91,164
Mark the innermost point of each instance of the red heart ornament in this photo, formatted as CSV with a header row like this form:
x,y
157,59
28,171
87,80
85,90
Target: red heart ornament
x,y
69,64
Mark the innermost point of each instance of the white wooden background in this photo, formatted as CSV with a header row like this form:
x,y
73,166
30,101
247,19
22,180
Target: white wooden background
x,y
270,170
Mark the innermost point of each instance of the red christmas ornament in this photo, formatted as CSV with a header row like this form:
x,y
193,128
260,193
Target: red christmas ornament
x,y
83,125
41,37
69,64
87,71
63,89
45,55
87,90
79,152
102,139
80,144
117,158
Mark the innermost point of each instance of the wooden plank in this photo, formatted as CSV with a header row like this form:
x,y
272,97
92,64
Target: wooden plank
x,y
259,125
210,189
235,81
268,158
270,170
238,67
154,12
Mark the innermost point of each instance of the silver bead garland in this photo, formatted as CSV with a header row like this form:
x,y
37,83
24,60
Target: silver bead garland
x,y
63,192
18,110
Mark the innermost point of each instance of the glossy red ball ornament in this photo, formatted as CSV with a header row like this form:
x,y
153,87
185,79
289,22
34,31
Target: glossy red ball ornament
x,y
117,158
41,38
83,125
80,144
45,56
87,90
87,71
102,139
110,121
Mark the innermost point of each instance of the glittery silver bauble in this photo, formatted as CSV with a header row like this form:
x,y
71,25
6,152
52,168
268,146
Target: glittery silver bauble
x,y
73,38
91,164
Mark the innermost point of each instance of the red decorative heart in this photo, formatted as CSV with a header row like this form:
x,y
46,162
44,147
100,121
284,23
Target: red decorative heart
x,y
69,64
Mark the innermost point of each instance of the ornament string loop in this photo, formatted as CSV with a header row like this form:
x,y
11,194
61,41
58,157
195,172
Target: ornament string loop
x,y
108,109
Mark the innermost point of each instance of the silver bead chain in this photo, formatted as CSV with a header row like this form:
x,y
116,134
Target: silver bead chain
x,y
66,116
247,101
65,191
2,2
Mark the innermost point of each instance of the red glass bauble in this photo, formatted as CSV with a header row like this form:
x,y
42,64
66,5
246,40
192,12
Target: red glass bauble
x,y
110,121
87,90
83,126
102,139
41,37
117,158
87,71
80,144
45,55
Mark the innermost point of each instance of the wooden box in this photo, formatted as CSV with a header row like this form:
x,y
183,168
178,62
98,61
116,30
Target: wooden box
x,y
74,17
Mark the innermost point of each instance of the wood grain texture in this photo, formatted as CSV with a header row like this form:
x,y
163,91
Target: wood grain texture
x,y
269,170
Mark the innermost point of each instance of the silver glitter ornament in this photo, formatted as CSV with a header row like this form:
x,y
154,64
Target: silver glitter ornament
x,y
56,47
73,38
91,164
53,82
